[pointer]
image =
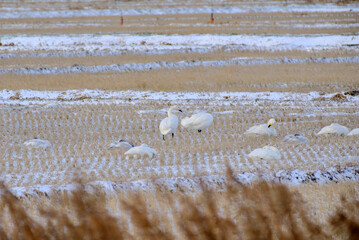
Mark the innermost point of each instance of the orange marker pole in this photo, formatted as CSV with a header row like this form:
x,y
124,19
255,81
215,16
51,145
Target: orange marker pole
x,y
121,20
212,18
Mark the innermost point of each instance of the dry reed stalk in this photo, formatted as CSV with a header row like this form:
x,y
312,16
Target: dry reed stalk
x,y
261,210
346,220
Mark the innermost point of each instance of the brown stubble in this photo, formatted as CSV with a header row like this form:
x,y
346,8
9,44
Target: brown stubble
x,y
287,78
241,23
216,54
84,147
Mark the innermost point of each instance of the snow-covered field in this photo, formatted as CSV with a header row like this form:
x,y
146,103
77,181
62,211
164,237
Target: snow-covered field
x,y
81,125
30,97
147,9
156,39
166,43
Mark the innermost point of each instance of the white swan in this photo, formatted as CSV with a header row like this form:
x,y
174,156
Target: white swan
x,y
334,128
265,153
263,129
295,139
123,145
143,150
170,123
37,143
354,132
198,121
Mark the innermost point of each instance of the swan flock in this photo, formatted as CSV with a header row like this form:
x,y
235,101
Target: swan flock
x,y
202,120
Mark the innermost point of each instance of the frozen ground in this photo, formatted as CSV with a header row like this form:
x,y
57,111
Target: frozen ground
x,y
26,97
62,117
266,7
137,67
81,124
157,44
196,184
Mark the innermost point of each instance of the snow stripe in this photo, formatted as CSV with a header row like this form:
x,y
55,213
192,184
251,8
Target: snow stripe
x,y
137,42
135,67
290,8
294,177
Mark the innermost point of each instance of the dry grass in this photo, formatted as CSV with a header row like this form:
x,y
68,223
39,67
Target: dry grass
x,y
283,77
216,55
253,23
298,77
325,198
241,23
258,211
81,133
288,77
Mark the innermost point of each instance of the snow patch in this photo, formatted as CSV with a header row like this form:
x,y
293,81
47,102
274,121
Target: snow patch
x,y
53,98
37,143
134,67
228,9
295,177
136,42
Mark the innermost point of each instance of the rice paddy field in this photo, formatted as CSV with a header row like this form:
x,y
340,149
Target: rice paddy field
x,y
84,74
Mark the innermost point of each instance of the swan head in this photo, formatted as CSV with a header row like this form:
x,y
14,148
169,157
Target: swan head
x,y
174,108
271,122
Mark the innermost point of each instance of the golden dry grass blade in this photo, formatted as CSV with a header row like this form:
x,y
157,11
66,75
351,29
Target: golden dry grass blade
x,y
261,210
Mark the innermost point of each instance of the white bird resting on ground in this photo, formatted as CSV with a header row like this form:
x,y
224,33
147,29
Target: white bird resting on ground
x,y
170,123
354,132
334,129
265,153
123,145
263,129
37,143
295,139
142,151
198,121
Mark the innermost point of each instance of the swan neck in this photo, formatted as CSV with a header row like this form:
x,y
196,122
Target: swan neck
x,y
170,113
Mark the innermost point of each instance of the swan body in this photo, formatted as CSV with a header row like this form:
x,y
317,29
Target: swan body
x,y
263,129
198,121
265,153
142,151
37,143
123,145
295,139
334,128
354,132
170,123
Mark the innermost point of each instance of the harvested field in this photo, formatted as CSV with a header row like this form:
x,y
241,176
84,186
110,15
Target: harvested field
x,y
81,135
73,76
328,78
